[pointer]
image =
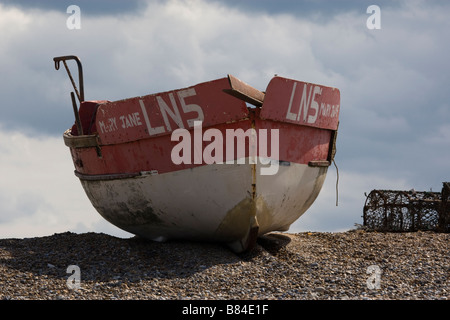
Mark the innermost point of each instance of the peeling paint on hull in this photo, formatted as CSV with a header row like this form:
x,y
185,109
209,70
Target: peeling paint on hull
x,y
219,206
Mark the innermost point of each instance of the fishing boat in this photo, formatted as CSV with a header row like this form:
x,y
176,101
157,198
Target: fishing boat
x,y
217,161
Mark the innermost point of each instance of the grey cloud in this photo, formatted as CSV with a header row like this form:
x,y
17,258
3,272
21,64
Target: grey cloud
x,y
318,10
98,7
22,205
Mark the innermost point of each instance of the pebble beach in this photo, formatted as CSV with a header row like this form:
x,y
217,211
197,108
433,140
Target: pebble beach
x,y
351,265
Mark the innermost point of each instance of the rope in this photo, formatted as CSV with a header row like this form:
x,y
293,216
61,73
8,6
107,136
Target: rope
x,y
337,182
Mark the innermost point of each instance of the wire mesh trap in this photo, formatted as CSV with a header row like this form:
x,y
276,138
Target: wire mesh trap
x,y
394,210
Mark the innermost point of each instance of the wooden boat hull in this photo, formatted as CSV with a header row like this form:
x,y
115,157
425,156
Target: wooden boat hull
x,y
219,206
141,174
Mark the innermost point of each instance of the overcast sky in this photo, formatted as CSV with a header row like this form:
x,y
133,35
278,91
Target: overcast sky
x,y
395,115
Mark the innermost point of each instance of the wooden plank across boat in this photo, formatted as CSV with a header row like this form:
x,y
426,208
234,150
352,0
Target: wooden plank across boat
x,y
200,163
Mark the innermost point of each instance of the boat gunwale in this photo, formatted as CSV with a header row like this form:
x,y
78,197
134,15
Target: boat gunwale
x,y
110,176
82,141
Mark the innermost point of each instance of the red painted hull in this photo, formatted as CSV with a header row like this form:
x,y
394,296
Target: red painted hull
x,y
130,144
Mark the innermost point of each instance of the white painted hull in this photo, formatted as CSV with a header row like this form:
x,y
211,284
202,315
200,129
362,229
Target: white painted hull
x,y
214,202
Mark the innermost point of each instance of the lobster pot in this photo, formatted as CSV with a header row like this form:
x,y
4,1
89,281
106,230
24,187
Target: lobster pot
x,y
391,210
444,217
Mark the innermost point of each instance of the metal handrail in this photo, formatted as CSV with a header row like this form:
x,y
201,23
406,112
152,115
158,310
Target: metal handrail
x,y
80,73
80,94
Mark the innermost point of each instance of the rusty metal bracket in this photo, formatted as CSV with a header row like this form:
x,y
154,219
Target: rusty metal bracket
x,y
77,114
319,163
80,94
57,61
332,148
